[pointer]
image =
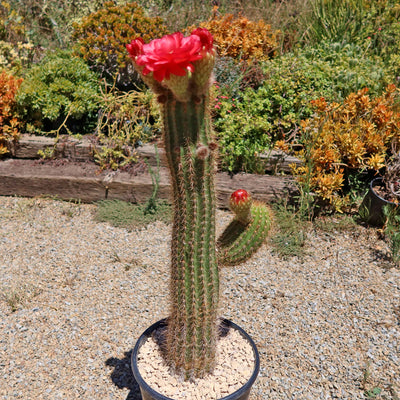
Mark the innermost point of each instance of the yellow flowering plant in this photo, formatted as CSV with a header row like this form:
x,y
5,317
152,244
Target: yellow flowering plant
x,y
340,139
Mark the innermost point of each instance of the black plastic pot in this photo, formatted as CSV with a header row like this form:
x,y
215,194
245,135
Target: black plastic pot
x,y
149,393
372,206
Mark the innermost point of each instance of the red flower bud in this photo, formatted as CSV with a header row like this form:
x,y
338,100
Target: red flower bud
x,y
239,197
240,203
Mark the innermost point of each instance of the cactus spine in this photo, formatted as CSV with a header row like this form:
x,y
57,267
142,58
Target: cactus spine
x,y
182,89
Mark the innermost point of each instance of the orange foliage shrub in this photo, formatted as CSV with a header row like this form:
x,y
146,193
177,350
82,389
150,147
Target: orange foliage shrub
x,y
355,135
102,36
242,39
9,123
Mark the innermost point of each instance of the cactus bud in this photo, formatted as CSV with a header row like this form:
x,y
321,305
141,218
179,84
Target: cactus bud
x,y
240,203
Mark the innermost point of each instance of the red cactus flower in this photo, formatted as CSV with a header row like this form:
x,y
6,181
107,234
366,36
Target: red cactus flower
x,y
135,48
172,54
205,38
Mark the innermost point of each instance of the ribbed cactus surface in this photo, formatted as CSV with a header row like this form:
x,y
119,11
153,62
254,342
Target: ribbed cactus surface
x,y
194,276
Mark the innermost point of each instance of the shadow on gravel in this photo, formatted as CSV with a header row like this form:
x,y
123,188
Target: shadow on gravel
x,y
383,259
122,376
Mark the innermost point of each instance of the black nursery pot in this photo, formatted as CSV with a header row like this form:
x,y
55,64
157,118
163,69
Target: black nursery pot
x,y
148,393
372,206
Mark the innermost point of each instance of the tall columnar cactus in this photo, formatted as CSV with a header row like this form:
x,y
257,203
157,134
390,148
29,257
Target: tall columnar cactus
x,y
178,70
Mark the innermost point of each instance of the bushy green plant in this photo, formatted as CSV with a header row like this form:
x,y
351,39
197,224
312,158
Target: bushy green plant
x,y
101,38
60,87
349,68
337,21
243,131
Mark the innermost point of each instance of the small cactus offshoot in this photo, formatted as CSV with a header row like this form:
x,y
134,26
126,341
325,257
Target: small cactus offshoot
x,y
248,230
178,69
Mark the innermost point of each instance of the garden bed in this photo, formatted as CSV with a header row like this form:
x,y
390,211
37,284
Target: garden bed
x,y
73,175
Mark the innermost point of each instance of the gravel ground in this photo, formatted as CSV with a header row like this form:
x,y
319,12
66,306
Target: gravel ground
x,y
75,295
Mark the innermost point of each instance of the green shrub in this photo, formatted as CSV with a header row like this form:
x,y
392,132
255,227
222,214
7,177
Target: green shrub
x,y
102,36
242,130
331,71
60,87
342,21
350,68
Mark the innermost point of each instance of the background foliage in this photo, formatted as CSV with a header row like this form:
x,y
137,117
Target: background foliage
x,y
60,86
9,121
277,59
101,38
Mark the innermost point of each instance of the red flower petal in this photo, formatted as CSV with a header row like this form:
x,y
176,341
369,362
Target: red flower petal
x,y
205,37
135,48
172,54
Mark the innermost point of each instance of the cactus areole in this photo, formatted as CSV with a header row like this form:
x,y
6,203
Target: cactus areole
x,y
178,69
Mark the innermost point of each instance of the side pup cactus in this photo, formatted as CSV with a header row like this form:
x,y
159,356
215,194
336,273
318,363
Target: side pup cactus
x,y
178,69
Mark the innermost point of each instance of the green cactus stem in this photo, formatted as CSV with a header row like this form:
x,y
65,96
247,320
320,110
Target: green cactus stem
x,y
241,239
178,70
192,325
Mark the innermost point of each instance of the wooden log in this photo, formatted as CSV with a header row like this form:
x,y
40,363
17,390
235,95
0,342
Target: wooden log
x,y
84,182
28,147
275,161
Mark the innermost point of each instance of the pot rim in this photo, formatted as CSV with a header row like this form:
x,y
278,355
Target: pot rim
x,y
378,181
225,323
